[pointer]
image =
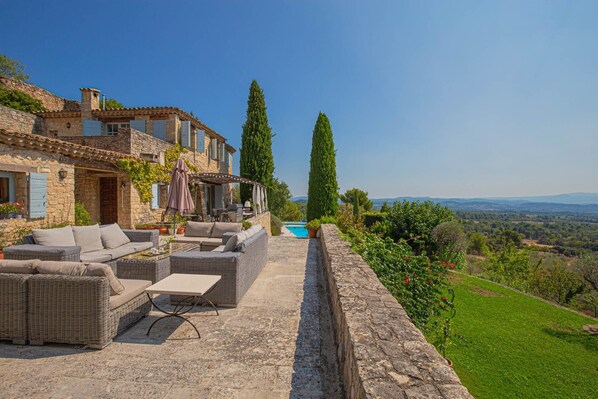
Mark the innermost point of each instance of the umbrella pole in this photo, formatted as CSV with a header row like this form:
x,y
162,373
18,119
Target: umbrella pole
x,y
174,225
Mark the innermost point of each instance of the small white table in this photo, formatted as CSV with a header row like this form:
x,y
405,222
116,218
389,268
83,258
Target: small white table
x,y
191,286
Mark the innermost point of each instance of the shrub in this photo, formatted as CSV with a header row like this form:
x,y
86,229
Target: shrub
x,y
82,216
509,266
247,224
369,218
450,242
19,101
275,225
313,224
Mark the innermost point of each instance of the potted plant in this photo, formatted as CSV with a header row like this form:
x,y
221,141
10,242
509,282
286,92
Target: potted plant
x,y
312,227
9,210
181,225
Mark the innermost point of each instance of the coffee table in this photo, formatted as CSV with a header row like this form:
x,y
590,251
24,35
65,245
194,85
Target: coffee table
x,y
147,266
191,286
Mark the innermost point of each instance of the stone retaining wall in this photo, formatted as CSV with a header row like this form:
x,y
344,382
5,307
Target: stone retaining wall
x,y
13,120
264,219
381,353
50,101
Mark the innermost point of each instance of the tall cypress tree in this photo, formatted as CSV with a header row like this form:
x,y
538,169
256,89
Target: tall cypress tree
x,y
322,194
256,161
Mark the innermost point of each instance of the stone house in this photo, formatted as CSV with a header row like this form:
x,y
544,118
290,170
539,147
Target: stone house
x,y
74,147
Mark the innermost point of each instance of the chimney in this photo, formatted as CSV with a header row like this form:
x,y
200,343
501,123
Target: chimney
x,y
90,100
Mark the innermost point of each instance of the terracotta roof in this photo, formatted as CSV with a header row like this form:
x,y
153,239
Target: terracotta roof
x,y
47,144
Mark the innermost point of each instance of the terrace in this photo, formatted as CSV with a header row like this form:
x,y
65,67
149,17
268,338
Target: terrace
x,y
316,323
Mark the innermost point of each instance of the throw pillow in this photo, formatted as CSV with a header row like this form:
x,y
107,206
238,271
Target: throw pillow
x,y
61,237
88,238
19,266
198,229
221,228
101,270
231,244
113,236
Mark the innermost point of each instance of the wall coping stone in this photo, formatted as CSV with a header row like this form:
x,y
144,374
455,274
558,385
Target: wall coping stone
x,y
381,352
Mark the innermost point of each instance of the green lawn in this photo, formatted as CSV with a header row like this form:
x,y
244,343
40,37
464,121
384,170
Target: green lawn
x,y
514,346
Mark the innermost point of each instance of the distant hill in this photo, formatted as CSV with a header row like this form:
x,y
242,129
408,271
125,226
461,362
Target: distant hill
x,y
573,203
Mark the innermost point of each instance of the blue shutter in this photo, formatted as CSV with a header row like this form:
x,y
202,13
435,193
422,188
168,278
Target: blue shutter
x,y
155,202
160,130
186,134
214,149
228,158
37,195
201,141
138,125
92,128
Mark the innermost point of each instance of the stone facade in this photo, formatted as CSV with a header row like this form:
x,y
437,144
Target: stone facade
x,y
381,353
50,101
19,121
264,219
60,207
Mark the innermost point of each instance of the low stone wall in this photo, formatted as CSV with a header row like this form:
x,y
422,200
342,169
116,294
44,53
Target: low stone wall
x,y
381,353
50,101
13,120
263,219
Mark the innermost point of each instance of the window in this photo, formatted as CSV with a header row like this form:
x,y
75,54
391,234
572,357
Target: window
x,y
112,128
7,187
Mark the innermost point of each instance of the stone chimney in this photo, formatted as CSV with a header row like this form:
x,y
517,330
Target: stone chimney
x,y
90,100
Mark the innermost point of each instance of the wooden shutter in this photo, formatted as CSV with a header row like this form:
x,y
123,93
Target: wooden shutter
x,y
155,202
214,149
37,195
160,130
228,158
186,134
138,124
222,152
92,128
201,141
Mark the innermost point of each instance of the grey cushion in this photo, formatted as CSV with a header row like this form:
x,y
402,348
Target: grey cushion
x,y
221,228
253,229
96,256
82,269
113,236
219,249
106,255
101,270
133,288
250,240
35,250
62,237
19,266
232,242
199,240
198,229
88,238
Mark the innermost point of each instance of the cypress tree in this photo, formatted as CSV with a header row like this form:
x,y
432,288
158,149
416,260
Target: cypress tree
x,y
322,194
256,160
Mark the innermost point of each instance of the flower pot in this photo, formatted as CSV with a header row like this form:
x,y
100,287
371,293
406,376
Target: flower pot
x,y
19,216
1,254
312,233
163,230
180,230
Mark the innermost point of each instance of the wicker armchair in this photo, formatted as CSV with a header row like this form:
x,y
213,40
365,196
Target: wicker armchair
x,y
13,307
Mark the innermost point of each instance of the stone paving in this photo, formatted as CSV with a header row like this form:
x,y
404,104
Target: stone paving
x,y
276,344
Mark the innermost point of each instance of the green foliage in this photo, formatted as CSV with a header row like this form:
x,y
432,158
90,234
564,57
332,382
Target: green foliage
x,y
556,284
440,328
19,101
111,103
587,268
236,194
478,243
369,218
415,280
275,225
323,188
10,68
356,213
362,196
414,222
246,224
82,216
291,212
509,266
256,161
450,242
313,224
278,196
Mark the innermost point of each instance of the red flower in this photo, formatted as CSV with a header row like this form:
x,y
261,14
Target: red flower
x,y
452,265
407,279
444,299
430,282
406,258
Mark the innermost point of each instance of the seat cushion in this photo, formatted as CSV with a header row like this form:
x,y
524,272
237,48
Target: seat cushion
x,y
198,229
96,256
113,236
19,266
82,269
219,249
88,238
60,237
133,288
191,240
221,228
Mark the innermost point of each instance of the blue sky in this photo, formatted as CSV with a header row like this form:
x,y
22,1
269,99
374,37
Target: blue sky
x,y
438,98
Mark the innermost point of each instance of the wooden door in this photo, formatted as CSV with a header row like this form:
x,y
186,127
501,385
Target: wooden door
x,y
108,200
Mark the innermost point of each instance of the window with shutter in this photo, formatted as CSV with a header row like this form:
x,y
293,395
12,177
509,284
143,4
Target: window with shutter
x,y
186,134
201,141
138,125
92,128
37,195
214,149
160,130
222,152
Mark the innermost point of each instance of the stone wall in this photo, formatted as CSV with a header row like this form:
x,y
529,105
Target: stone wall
x,y
50,101
264,219
19,121
60,207
382,354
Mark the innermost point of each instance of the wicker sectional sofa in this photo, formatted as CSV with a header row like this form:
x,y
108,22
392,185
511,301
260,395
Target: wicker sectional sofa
x,y
208,235
61,302
139,240
238,267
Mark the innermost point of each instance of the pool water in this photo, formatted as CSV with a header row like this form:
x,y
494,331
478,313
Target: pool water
x,y
297,228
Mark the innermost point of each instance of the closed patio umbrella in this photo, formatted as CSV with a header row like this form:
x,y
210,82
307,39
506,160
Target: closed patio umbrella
x,y
179,196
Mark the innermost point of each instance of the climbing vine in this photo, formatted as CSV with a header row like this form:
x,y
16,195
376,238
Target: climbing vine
x,y
143,173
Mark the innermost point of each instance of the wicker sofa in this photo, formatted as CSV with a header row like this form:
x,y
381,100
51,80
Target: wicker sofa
x,y
208,235
46,301
239,267
139,240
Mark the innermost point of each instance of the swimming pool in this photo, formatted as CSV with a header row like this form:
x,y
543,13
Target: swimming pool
x,y
297,228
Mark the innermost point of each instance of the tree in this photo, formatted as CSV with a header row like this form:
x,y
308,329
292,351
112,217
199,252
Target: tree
x,y
278,196
112,103
256,160
478,243
20,101
356,208
10,68
291,212
349,196
322,193
450,240
587,267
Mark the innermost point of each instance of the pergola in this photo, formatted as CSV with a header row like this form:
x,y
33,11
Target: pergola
x,y
259,193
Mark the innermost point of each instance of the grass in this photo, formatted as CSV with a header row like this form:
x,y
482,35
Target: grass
x,y
509,345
